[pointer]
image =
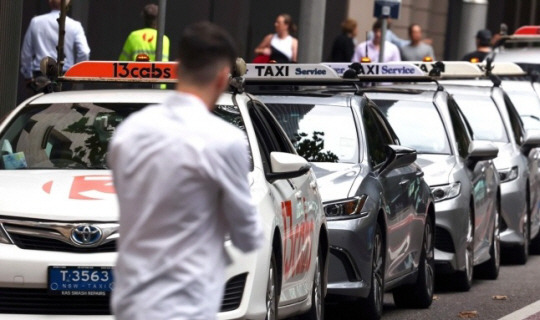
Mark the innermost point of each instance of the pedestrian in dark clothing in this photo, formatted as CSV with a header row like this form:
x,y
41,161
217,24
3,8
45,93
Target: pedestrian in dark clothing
x,y
343,47
483,47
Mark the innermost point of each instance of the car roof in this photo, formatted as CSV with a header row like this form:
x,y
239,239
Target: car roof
x,y
465,88
339,99
104,96
518,55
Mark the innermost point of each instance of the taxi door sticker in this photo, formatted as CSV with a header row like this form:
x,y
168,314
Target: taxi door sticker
x,y
91,187
297,242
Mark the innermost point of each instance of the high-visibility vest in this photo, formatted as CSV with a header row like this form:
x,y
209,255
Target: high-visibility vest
x,y
143,41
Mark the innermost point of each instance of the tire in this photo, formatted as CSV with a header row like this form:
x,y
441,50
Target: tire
x,y
463,279
490,269
272,288
316,312
372,306
420,294
521,254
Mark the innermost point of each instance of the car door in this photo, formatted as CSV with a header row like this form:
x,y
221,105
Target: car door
x,y
296,199
477,174
394,187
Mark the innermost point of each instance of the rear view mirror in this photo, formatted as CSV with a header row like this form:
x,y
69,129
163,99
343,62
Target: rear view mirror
x,y
286,166
480,150
530,141
398,156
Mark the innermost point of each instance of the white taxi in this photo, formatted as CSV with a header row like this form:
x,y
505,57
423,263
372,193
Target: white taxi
x,y
59,213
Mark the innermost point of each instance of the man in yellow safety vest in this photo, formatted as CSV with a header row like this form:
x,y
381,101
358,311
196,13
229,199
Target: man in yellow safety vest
x,y
143,41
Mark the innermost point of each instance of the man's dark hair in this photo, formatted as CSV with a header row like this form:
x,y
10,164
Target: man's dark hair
x,y
204,48
150,15
377,25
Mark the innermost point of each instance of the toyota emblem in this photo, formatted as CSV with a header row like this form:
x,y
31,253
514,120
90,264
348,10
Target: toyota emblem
x,y
86,235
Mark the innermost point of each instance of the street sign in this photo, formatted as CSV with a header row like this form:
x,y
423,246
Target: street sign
x,y
386,9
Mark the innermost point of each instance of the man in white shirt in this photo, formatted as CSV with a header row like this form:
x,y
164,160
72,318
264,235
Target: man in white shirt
x,y
371,48
180,174
41,40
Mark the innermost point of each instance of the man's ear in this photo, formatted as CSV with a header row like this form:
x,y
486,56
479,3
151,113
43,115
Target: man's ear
x,y
222,79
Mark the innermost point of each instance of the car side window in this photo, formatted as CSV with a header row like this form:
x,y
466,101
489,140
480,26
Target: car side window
x,y
376,139
515,120
461,132
389,135
283,142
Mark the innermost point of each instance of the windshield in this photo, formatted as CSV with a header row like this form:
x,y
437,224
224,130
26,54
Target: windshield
x,y
320,133
483,116
417,124
71,135
528,106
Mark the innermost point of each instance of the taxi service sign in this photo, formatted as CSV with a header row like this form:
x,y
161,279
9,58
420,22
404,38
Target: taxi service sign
x,y
386,9
377,69
279,72
122,71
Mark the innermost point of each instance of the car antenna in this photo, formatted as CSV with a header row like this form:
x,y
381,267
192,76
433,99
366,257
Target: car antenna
x,y
367,35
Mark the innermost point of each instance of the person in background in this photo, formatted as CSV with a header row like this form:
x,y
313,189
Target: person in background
x,y
343,47
416,50
181,177
144,41
280,46
370,48
483,47
41,40
391,36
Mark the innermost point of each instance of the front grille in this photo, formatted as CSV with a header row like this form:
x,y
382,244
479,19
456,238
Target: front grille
x,y
234,289
38,301
39,243
443,240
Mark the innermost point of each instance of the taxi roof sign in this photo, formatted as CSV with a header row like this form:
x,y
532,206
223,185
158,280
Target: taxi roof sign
x,y
296,72
382,70
122,71
528,30
504,69
450,69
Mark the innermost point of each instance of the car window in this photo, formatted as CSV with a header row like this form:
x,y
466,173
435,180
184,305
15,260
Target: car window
x,y
71,135
376,139
283,142
320,133
461,132
515,121
527,105
411,120
483,116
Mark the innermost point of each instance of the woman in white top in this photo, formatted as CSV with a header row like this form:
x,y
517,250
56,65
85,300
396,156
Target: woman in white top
x,y
280,46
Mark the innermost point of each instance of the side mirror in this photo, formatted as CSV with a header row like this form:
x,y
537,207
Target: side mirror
x,y
530,141
482,150
287,166
398,156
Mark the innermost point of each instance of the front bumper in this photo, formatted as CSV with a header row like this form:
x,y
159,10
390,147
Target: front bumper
x,y
451,222
513,212
349,267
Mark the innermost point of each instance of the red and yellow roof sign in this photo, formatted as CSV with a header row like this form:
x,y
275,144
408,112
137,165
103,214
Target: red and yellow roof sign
x,y
122,71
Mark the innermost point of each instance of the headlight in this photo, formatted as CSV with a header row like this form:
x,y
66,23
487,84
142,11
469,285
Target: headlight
x,y
346,208
446,191
508,174
3,236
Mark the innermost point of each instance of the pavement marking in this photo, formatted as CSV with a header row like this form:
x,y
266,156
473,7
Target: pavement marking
x,y
524,313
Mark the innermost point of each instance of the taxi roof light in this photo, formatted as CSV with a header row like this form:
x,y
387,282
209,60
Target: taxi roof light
x,y
528,30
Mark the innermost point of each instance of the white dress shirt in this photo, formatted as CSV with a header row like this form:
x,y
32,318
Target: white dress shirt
x,y
180,173
41,40
391,52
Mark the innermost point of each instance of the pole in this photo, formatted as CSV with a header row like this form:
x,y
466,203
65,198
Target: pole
x,y
61,34
473,18
161,29
383,38
311,31
10,38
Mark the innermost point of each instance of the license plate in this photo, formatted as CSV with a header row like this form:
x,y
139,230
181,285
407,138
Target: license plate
x,y
80,281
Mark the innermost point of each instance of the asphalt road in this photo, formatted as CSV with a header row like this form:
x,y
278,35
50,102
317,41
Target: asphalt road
x,y
517,287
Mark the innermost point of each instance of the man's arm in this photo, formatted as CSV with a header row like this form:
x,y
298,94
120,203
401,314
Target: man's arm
x,y
82,49
126,54
242,217
27,52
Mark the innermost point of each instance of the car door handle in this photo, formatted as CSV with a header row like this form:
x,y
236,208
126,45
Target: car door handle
x,y
404,182
298,195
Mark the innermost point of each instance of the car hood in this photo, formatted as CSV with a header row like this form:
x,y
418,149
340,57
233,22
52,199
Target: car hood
x,y
335,179
504,159
64,195
436,167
